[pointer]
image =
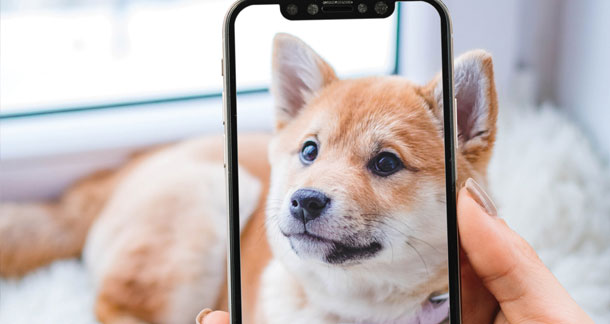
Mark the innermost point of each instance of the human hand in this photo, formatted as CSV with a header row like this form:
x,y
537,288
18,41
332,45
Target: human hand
x,y
503,279
207,316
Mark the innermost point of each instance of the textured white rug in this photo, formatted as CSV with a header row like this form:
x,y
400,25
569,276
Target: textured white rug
x,y
546,179
554,190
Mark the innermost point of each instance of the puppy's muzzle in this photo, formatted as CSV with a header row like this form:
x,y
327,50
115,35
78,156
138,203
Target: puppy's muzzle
x,y
308,204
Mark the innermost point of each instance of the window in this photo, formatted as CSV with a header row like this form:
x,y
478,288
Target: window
x,y
121,51
74,55
84,82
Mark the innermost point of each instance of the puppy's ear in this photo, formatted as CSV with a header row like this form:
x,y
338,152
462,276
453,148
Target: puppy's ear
x,y
477,105
297,74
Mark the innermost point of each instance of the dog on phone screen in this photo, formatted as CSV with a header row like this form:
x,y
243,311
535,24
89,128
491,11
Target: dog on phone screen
x,y
356,215
343,207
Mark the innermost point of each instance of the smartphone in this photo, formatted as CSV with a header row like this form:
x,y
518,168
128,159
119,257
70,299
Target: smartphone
x,y
341,162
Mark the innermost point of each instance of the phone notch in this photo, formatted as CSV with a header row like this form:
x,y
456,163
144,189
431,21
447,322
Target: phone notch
x,y
337,9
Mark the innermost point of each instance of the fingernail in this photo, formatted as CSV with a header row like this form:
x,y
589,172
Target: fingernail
x,y
481,197
202,315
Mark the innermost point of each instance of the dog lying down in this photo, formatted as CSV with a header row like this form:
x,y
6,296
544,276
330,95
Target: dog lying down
x,y
343,207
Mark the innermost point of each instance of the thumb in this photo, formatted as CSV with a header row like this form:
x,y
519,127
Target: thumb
x,y
207,316
509,267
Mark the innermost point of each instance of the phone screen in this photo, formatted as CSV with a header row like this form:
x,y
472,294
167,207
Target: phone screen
x,y
341,166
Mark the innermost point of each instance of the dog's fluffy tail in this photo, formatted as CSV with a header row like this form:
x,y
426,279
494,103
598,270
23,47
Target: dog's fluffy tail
x,y
35,234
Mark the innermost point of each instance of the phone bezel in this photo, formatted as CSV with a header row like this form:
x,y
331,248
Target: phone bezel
x,y
230,132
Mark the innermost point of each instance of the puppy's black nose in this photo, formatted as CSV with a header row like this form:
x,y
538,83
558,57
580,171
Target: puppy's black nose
x,y
308,204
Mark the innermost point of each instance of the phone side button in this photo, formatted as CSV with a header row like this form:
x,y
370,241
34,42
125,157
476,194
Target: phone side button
x,y
455,129
222,67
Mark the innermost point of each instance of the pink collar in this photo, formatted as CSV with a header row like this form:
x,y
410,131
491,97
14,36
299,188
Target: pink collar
x,y
433,311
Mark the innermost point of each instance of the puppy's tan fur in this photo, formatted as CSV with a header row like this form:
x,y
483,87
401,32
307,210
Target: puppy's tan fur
x,y
153,231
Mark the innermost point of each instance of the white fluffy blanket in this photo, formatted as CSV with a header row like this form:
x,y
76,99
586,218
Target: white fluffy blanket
x,y
547,182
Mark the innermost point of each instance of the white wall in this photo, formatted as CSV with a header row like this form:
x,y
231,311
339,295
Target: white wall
x,y
554,51
583,86
490,25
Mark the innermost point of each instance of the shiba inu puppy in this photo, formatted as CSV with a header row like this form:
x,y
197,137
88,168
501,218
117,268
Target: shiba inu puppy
x,y
356,207
343,207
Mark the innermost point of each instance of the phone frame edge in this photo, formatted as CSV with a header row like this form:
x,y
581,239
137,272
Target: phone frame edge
x,y
231,159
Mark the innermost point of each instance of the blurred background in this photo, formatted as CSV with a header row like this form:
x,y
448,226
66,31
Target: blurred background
x,y
83,83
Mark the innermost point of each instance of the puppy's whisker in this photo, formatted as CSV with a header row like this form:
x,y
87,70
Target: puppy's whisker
x,y
407,237
426,243
402,222
391,249
382,222
420,257
262,228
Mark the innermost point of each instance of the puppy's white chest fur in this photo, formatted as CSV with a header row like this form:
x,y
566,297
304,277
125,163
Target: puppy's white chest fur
x,y
336,297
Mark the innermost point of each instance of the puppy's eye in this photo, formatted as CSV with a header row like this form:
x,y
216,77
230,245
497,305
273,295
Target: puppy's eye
x,y
309,152
385,164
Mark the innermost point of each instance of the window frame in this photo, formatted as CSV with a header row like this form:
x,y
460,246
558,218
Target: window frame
x,y
146,102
